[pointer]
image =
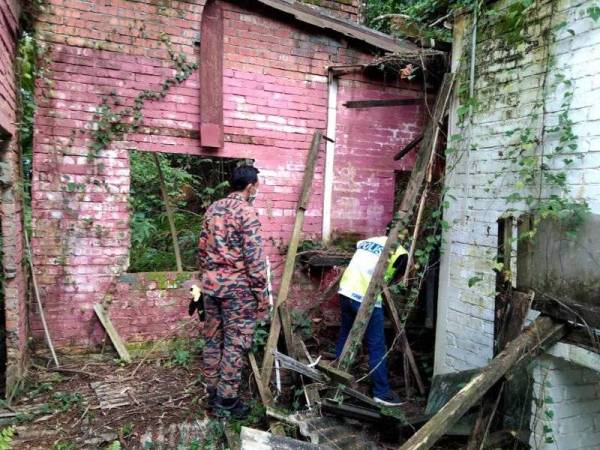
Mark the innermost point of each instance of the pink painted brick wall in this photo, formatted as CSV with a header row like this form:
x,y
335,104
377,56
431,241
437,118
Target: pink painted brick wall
x,y
9,13
347,9
15,288
366,141
275,96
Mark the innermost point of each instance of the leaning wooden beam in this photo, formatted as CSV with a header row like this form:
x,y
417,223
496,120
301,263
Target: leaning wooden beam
x,y
512,324
281,314
543,331
169,210
38,299
265,395
112,333
388,304
363,315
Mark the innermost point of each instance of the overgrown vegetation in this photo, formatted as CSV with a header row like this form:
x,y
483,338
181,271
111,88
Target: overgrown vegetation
x,y
414,18
192,184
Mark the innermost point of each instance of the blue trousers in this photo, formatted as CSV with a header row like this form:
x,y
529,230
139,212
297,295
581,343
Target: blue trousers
x,y
374,339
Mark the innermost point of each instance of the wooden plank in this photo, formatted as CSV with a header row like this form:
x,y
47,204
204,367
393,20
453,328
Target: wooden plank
x,y
112,333
265,395
252,439
424,157
314,17
38,300
281,316
350,411
543,331
336,375
408,147
581,313
382,103
290,363
312,395
358,396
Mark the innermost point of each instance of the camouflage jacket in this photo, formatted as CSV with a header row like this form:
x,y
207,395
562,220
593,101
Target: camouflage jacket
x,y
230,250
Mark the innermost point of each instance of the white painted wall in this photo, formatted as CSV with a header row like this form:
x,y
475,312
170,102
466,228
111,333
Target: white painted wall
x,y
507,83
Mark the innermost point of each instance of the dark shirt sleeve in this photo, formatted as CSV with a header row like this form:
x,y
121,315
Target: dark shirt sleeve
x,y
253,253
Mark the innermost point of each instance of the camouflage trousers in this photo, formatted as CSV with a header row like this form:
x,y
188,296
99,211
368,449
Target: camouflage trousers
x,y
228,332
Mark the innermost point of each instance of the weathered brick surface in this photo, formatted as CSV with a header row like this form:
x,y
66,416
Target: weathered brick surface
x,y
507,83
275,95
10,197
566,405
347,9
366,141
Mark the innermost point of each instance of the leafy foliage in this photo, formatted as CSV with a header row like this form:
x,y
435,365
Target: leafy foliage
x,y
420,13
6,436
192,184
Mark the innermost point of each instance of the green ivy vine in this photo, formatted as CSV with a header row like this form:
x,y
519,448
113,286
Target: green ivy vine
x,y
111,123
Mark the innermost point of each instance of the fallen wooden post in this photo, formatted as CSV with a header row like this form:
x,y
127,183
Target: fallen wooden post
x,y
112,333
543,331
281,315
512,324
355,337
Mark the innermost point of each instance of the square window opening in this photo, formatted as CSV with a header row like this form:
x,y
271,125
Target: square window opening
x,y
191,183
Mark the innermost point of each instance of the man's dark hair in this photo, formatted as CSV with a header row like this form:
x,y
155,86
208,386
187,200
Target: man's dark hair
x,y
243,176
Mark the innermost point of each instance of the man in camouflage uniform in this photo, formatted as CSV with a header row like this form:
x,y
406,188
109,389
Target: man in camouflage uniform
x,y
233,284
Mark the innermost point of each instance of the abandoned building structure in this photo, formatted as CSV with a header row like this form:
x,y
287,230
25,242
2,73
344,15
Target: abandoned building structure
x,y
253,80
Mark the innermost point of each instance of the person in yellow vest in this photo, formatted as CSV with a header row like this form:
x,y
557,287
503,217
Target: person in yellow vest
x,y
353,287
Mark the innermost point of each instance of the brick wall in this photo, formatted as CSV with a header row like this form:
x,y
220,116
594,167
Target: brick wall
x,y
347,9
506,84
366,141
275,95
566,402
10,198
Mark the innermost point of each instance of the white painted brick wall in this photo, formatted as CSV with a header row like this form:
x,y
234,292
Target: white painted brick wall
x,y
566,405
464,337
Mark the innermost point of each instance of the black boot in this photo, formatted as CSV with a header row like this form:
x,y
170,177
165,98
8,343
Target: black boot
x,y
212,396
230,407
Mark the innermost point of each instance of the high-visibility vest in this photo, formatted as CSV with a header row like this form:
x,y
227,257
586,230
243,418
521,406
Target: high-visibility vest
x,y
357,276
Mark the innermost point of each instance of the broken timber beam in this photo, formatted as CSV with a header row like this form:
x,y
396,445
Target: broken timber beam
x,y
515,314
417,177
281,315
252,439
112,333
543,331
408,147
291,364
265,395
